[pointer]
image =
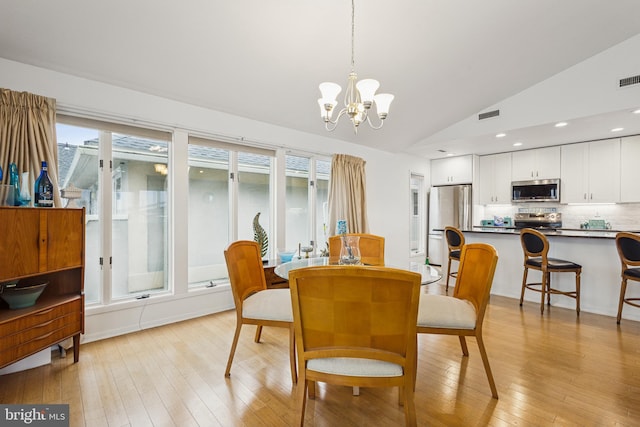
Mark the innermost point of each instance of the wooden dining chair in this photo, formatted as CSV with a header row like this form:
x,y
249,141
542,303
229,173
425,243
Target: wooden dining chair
x,y
255,304
371,248
356,326
628,245
463,313
455,242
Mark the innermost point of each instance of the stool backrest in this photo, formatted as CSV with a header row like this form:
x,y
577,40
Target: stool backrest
x,y
455,238
628,245
534,243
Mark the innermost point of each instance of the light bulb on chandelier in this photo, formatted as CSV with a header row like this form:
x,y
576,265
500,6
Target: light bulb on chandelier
x,y
359,98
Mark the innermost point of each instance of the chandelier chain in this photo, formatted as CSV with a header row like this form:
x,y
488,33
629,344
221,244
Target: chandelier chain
x,y
353,34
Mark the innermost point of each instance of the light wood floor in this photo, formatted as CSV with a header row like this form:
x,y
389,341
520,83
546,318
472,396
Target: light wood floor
x,y
555,369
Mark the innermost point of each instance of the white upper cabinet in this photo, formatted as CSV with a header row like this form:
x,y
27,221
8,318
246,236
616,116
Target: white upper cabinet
x,y
629,170
452,170
541,163
591,172
495,179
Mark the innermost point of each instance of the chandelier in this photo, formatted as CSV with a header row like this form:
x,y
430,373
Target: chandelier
x,y
359,98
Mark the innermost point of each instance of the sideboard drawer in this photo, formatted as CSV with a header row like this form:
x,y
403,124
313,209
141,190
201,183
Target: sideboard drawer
x,y
35,318
38,343
26,335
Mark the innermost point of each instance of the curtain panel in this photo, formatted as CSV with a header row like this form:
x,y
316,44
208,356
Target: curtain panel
x,y
28,137
347,194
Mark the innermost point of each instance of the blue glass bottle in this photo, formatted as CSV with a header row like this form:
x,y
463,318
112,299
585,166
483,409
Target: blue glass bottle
x,y
43,189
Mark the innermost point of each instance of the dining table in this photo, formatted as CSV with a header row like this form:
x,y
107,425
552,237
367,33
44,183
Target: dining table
x,y
429,274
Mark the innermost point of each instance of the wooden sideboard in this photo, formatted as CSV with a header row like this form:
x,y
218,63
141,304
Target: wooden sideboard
x,y
273,280
40,245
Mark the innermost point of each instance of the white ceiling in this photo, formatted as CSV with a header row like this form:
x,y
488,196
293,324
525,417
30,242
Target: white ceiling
x,y
444,60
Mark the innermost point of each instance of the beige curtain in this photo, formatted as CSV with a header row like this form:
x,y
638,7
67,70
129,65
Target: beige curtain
x,y
28,137
347,194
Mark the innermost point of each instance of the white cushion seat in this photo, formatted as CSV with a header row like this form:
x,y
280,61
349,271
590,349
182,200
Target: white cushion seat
x,y
356,367
441,311
270,304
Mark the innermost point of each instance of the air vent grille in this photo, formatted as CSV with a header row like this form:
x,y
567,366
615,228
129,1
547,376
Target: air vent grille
x,y
628,81
488,114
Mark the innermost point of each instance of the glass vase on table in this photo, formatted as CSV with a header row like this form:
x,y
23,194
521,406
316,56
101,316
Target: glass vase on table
x,y
350,250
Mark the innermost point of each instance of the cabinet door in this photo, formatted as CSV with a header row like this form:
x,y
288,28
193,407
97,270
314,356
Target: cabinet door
x,y
19,245
548,163
502,178
541,163
485,176
522,165
574,178
64,231
495,179
604,171
629,170
454,170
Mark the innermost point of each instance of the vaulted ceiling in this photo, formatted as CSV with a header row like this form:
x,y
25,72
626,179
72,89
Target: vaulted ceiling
x,y
444,60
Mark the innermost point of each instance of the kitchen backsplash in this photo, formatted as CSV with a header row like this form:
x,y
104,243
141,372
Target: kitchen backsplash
x,y
621,216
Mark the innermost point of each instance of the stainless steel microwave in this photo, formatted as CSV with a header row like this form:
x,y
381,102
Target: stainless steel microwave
x,y
542,190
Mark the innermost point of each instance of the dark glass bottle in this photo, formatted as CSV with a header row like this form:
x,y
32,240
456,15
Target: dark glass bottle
x,y
43,191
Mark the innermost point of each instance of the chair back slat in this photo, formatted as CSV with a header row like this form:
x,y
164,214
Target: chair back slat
x,y
475,275
244,265
344,308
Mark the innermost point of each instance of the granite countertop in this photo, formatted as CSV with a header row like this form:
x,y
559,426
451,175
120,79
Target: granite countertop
x,y
560,232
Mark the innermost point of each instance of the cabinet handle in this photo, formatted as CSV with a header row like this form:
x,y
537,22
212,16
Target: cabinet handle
x,y
584,196
591,196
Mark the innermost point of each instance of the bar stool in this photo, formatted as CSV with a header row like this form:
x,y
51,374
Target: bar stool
x,y
455,242
536,250
628,245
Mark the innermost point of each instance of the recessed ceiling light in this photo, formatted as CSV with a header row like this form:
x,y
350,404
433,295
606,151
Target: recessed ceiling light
x,y
617,129
501,135
637,111
561,124
517,144
449,154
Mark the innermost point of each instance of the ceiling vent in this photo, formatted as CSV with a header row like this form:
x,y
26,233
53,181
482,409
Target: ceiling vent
x,y
628,81
488,114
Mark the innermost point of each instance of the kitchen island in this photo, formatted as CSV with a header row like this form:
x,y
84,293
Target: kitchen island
x,y
595,250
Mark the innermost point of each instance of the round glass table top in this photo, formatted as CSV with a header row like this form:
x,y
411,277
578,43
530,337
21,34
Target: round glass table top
x,y
429,274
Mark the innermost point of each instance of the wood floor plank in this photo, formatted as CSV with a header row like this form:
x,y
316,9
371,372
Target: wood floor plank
x,y
551,369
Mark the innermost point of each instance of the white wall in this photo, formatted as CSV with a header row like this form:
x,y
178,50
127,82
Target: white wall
x,y
388,178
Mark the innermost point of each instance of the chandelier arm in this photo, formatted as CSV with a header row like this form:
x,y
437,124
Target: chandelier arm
x,y
335,122
372,125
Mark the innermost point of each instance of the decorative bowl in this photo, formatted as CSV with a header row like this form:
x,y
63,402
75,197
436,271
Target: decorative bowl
x,y
21,297
286,256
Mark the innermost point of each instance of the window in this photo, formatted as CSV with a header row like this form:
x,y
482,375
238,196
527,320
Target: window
x,y
132,209
417,217
229,189
208,213
307,188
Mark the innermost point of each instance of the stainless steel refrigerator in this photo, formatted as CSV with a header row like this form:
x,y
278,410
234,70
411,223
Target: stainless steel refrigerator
x,y
449,205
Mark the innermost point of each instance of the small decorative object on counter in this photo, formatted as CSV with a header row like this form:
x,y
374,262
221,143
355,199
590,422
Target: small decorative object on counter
x,y
426,261
43,189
